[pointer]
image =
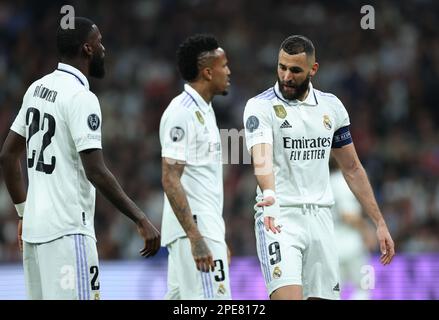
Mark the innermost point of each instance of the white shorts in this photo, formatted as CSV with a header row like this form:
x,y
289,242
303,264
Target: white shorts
x,y
303,253
187,283
63,269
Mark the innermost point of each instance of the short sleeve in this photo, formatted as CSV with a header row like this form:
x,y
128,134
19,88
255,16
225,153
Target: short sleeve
x,y
84,120
342,135
19,124
342,116
257,123
175,134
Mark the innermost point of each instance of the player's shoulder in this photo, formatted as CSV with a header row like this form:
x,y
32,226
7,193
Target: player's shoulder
x,y
327,97
38,82
180,106
83,95
262,99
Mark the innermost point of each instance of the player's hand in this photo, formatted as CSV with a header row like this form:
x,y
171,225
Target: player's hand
x,y
229,256
151,237
268,205
202,255
19,233
271,225
387,247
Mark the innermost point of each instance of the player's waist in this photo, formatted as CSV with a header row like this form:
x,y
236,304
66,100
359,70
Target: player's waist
x,y
320,200
303,208
306,205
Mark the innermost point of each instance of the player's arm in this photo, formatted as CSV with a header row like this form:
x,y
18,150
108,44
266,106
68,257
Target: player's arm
x,y
358,182
10,156
11,153
104,181
259,140
172,171
262,156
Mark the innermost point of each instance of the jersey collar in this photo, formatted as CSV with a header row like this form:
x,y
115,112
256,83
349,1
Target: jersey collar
x,y
66,68
199,101
311,99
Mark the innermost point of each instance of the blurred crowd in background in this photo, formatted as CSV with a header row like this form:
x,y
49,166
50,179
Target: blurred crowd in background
x,y
387,78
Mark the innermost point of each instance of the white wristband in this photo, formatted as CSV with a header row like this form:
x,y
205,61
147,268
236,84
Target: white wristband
x,y
20,208
269,193
273,210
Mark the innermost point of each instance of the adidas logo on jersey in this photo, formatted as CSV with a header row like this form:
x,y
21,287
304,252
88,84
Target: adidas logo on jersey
x,y
285,125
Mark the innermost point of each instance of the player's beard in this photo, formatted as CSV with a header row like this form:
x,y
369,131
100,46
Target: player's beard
x,y
97,68
300,89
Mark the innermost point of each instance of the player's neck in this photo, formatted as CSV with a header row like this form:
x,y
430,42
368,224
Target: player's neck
x,y
203,91
79,64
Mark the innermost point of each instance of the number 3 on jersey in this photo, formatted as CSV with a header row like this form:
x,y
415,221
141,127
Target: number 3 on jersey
x,y
34,127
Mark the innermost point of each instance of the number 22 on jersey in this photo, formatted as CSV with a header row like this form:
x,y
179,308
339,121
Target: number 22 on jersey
x,y
48,127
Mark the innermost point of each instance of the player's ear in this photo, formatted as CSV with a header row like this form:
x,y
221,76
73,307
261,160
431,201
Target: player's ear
x,y
314,69
87,49
206,73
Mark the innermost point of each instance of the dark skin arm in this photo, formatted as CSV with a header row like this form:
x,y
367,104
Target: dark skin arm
x,y
10,156
171,175
104,181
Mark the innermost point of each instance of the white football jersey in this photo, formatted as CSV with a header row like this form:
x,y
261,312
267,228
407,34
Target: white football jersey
x,y
189,133
302,134
59,117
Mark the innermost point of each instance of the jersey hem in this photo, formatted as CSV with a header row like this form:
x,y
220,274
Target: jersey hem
x,y
167,243
57,236
16,130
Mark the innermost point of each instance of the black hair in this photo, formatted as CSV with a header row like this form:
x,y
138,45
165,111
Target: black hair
x,y
189,52
297,44
70,41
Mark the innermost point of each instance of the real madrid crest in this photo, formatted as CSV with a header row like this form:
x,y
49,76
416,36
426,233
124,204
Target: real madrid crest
x,y
199,117
280,111
221,289
277,273
327,122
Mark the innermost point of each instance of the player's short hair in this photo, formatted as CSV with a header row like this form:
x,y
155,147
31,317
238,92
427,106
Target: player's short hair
x,y
297,44
190,51
70,41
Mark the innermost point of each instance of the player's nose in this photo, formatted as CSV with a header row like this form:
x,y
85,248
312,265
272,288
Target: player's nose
x,y
288,76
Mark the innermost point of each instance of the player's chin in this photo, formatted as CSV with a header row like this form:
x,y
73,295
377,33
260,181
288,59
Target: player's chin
x,y
224,91
288,92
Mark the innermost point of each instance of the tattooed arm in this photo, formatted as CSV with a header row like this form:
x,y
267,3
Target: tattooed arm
x,y
171,174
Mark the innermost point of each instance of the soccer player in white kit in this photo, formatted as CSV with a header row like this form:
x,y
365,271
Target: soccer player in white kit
x,y
59,126
291,129
193,228
353,235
